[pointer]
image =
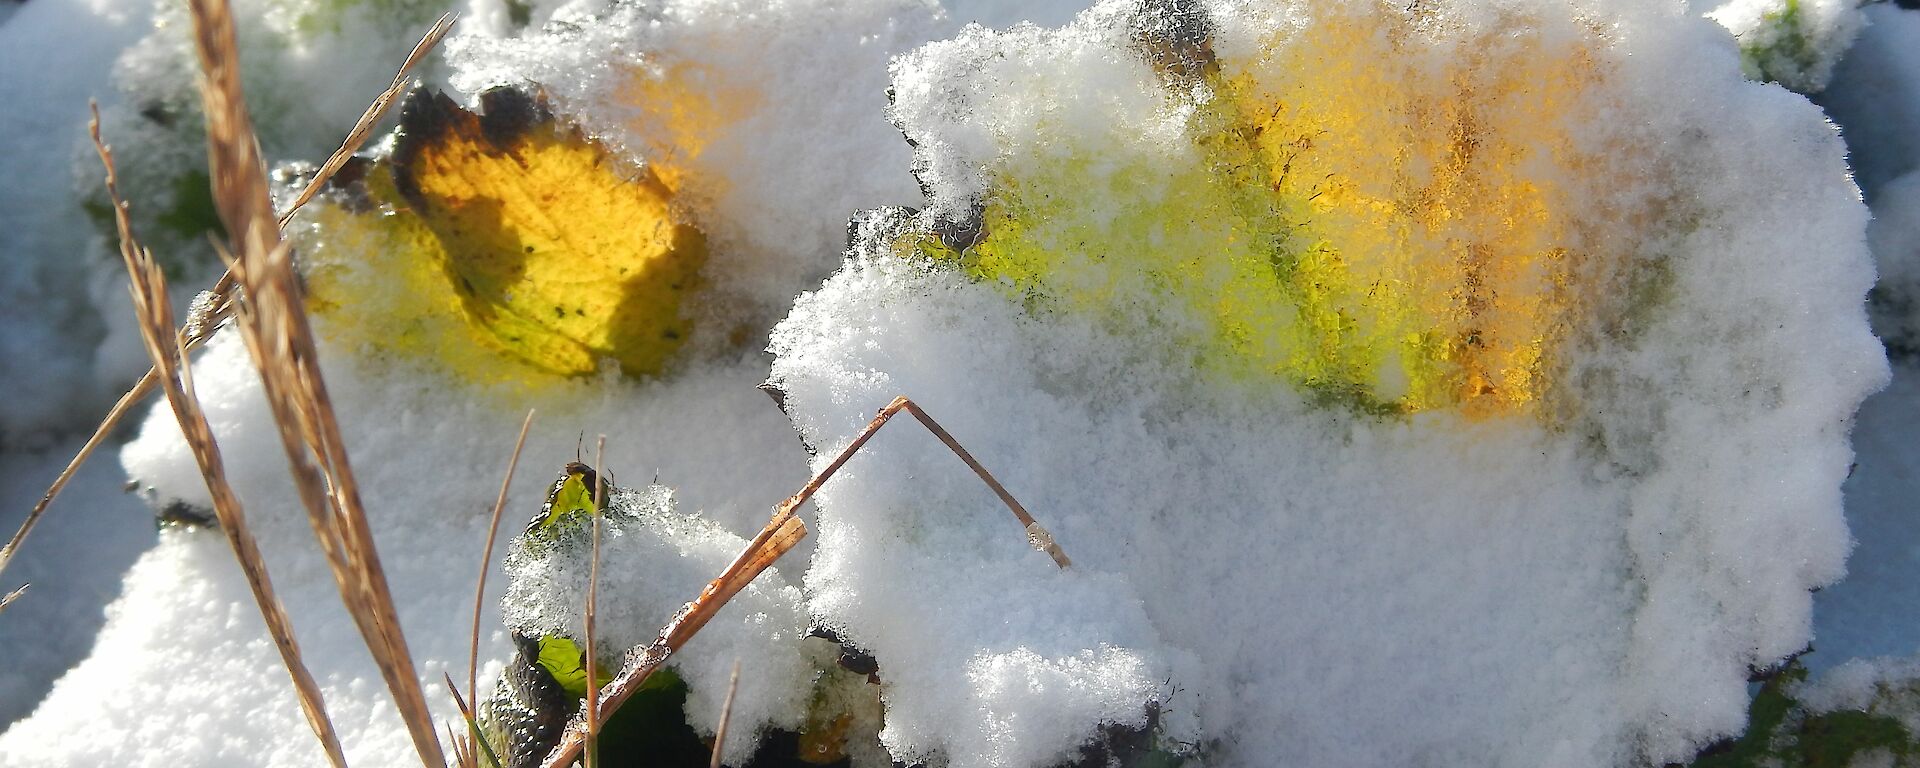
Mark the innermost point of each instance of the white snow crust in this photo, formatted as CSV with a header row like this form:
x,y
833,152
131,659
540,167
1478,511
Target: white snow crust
x,y
1279,581
1310,585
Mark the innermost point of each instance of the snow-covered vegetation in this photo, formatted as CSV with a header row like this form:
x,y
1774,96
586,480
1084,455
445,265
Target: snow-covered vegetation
x,y
1474,382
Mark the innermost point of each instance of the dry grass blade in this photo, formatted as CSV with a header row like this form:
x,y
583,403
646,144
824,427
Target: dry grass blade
x,y
274,325
462,749
154,313
726,716
220,297
12,596
593,596
468,751
370,118
776,539
486,555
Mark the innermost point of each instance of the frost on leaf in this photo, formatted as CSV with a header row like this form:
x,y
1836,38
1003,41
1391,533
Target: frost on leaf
x,y
1442,383
1795,43
1393,230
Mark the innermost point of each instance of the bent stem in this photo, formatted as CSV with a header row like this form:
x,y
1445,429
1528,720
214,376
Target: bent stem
x,y
778,537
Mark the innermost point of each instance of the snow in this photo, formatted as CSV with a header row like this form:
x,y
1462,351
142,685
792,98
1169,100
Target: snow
x,y
311,68
1864,628
54,55
768,121
1584,577
428,445
1883,686
68,45
48,629
1866,615
1895,235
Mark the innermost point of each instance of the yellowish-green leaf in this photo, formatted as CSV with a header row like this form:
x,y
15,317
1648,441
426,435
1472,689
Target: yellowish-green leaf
x,y
571,499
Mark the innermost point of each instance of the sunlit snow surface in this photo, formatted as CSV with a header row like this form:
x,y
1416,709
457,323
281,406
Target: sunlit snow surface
x,y
1586,580
1291,582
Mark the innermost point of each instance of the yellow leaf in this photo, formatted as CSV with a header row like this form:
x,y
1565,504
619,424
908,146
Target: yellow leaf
x,y
562,253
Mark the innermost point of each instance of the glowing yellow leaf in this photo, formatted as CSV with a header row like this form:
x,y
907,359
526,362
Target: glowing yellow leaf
x,y
563,254
1439,195
376,282
1391,222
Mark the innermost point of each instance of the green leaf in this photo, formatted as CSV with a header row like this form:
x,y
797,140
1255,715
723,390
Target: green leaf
x,y
563,659
570,502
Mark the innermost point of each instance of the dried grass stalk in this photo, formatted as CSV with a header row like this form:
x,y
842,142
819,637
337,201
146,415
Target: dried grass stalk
x,y
7,599
218,305
486,557
370,118
468,749
593,598
726,716
154,313
273,322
